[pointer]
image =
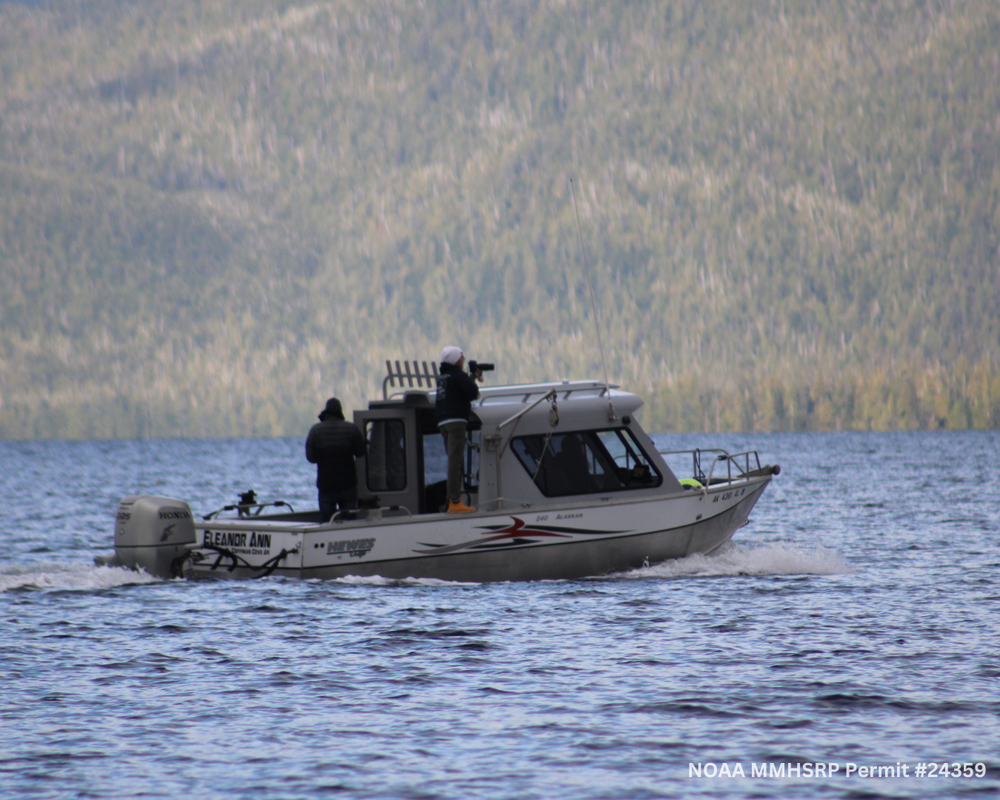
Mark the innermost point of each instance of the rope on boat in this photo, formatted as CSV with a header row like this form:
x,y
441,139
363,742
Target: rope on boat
x,y
545,449
265,569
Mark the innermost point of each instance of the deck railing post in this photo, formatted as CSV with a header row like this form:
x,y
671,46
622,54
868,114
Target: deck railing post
x,y
409,375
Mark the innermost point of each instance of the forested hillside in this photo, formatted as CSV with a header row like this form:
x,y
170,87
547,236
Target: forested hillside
x,y
213,215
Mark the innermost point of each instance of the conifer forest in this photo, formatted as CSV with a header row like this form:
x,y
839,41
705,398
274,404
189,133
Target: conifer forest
x,y
216,214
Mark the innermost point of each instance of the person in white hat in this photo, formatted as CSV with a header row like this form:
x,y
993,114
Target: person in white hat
x,y
456,390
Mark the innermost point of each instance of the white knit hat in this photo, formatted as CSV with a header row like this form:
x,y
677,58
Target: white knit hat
x,y
451,355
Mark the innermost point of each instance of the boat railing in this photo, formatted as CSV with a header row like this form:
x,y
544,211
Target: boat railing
x,y
739,466
525,392
249,507
494,440
419,376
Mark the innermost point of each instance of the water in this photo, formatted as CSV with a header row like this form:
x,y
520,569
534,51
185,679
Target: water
x,y
854,621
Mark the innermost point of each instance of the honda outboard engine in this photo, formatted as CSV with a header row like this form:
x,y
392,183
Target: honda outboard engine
x,y
154,534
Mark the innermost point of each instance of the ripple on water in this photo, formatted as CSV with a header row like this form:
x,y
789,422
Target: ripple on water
x,y
854,619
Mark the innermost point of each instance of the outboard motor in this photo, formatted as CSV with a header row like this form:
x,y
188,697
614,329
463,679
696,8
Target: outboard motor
x,y
154,534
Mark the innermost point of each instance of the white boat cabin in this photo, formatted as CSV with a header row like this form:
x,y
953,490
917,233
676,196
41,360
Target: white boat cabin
x,y
529,445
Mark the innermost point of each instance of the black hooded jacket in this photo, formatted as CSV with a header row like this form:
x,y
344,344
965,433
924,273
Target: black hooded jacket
x,y
332,445
456,390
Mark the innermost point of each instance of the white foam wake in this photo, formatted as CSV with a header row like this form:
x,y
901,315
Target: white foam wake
x,y
740,559
68,577
378,580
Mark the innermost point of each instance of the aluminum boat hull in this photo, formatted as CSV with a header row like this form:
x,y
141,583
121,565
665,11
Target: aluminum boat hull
x,y
560,542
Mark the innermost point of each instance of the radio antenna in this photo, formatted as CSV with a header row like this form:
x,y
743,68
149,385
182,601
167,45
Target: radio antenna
x,y
612,414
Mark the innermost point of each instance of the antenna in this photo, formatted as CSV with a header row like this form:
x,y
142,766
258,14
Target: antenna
x,y
612,414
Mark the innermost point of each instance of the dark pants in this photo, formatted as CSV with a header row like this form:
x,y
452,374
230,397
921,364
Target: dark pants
x,y
345,499
454,434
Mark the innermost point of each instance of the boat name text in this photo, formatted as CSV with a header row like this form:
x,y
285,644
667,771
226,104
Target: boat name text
x,y
253,543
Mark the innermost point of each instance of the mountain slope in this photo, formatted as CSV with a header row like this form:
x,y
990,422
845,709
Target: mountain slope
x,y
213,215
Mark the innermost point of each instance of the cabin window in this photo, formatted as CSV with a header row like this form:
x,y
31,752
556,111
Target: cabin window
x,y
435,458
586,462
386,455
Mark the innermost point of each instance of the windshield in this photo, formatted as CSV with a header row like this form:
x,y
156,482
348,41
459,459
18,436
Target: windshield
x,y
585,462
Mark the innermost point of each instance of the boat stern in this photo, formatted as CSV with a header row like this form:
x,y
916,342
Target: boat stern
x,y
153,534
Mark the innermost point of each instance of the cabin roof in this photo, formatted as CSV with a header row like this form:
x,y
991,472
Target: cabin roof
x,y
498,403
588,399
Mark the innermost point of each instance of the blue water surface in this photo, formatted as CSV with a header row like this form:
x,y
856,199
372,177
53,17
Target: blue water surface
x,y
856,620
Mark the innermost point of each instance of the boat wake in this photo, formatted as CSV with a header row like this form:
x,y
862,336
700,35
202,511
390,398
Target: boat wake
x,y
731,559
741,559
68,577
378,580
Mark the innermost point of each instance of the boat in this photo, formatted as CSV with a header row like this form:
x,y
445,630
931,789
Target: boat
x,y
565,484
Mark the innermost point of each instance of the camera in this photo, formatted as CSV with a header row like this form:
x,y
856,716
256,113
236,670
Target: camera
x,y
476,369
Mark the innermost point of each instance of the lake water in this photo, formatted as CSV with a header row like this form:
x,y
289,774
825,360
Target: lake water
x,y
855,621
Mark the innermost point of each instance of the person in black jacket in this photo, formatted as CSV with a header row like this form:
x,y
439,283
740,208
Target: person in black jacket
x,y
332,445
456,390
